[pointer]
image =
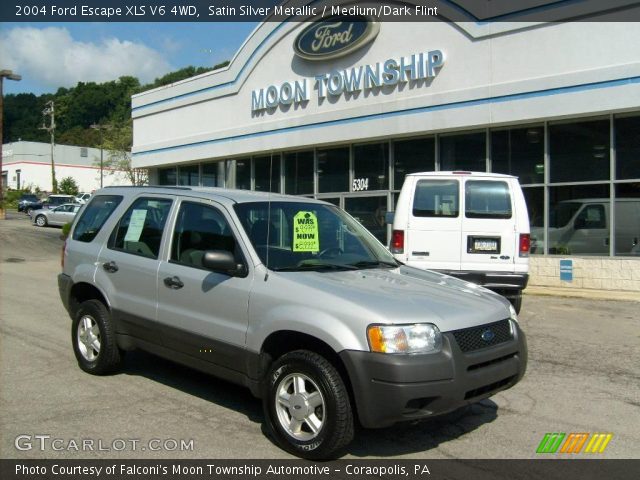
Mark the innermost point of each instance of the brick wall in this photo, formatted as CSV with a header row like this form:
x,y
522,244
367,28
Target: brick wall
x,y
599,273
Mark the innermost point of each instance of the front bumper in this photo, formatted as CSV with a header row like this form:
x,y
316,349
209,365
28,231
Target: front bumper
x,y
64,288
393,388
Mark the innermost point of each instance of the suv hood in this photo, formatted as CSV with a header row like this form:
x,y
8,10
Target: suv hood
x,y
397,295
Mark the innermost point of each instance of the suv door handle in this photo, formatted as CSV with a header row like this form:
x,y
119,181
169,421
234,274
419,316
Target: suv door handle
x,y
173,282
110,267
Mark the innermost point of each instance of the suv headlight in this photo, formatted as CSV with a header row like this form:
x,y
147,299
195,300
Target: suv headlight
x,y
417,338
512,313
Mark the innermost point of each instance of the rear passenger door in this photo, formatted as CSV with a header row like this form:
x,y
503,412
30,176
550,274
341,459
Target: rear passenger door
x,y
203,314
128,266
433,234
489,240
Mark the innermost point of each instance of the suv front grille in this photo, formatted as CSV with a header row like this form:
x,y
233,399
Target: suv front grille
x,y
476,338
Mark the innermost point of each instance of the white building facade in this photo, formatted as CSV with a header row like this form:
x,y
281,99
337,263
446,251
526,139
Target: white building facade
x,y
28,165
557,105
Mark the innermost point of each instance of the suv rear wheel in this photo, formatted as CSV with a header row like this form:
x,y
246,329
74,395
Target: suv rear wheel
x,y
94,340
307,406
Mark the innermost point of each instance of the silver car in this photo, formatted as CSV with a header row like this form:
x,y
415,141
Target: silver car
x,y
56,216
288,296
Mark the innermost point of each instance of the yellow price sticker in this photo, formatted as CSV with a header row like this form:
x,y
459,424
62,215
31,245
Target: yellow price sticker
x,y
305,232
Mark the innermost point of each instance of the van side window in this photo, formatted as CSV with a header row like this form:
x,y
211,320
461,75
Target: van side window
x,y
436,198
487,199
140,229
200,228
94,217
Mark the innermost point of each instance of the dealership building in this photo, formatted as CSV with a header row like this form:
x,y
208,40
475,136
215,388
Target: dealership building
x,y
343,110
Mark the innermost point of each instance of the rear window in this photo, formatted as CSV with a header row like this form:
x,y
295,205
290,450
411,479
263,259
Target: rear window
x,y
487,199
94,217
436,198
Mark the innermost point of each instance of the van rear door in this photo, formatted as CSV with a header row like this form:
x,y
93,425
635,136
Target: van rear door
x,y
488,235
433,234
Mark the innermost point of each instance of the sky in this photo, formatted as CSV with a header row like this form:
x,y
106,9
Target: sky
x,y
53,55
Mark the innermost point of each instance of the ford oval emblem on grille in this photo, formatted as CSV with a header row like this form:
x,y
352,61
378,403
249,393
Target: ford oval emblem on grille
x,y
488,335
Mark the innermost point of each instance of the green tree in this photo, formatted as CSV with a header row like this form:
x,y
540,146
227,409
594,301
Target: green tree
x,y
117,153
68,186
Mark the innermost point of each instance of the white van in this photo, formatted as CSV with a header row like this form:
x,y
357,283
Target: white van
x,y
582,227
470,225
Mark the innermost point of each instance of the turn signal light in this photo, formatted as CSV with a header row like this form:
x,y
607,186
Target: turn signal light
x,y
397,241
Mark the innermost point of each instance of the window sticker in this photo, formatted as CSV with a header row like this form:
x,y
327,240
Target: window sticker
x,y
136,224
305,232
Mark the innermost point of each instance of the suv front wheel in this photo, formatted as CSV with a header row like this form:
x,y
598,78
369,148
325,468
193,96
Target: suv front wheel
x,y
307,406
94,340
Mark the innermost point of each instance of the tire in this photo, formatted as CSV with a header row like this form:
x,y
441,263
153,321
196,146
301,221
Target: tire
x,y
94,339
314,390
41,221
516,301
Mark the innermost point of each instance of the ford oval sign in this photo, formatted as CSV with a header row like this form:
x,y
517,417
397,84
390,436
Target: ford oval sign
x,y
488,335
335,37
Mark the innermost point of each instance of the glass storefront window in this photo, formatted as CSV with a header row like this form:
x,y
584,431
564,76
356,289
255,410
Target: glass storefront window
x,y
210,175
579,221
298,173
628,219
369,211
189,176
411,156
261,168
534,198
333,170
167,176
627,147
371,167
243,174
466,151
579,151
519,152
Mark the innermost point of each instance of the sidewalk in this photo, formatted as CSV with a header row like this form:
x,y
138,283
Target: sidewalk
x,y
583,293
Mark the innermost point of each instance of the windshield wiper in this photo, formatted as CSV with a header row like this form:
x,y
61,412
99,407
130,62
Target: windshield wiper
x,y
315,266
373,264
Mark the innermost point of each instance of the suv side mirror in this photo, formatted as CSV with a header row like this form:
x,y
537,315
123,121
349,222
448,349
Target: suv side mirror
x,y
222,261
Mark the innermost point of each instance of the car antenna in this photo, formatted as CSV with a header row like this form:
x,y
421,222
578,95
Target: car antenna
x,y
266,275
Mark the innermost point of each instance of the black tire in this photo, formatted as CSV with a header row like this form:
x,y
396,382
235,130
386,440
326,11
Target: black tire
x,y
41,221
516,301
334,414
107,357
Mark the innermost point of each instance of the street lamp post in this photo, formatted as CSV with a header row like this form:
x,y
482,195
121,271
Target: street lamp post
x,y
101,129
11,76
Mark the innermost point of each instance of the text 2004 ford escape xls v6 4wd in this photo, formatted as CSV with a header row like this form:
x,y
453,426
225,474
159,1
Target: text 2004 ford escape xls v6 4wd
x,y
290,297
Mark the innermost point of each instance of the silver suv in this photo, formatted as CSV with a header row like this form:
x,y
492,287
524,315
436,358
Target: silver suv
x,y
288,296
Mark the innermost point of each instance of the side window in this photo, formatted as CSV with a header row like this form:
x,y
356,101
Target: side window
x,y
94,217
200,228
487,199
139,231
592,216
436,198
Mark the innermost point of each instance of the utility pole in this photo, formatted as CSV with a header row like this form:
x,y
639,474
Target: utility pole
x,y
49,110
11,76
101,129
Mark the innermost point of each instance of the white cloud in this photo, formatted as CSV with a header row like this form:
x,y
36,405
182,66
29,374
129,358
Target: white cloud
x,y
53,58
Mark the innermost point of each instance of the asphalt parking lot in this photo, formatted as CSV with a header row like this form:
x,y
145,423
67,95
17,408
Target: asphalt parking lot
x,y
583,376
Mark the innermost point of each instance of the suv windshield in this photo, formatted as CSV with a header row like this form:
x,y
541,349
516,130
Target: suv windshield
x,y
297,236
562,213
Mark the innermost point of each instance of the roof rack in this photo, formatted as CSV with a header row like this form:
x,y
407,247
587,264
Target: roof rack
x,y
169,187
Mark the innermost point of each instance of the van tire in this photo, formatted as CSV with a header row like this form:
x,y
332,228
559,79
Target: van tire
x,y
516,301
306,375
94,340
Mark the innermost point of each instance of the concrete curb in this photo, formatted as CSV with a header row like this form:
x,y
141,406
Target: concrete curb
x,y
583,293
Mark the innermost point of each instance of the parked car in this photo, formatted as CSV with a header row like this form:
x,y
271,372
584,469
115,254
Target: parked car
x,y
29,202
583,226
288,296
56,200
57,216
472,225
83,198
